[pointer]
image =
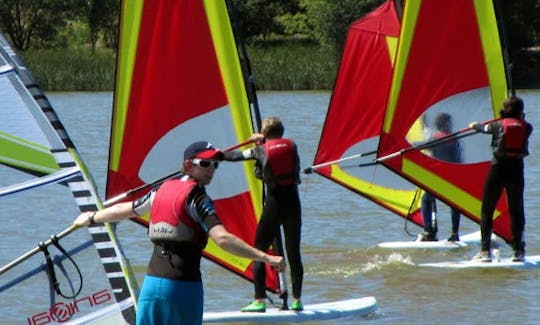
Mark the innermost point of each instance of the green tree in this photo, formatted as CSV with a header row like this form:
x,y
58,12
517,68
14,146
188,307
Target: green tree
x,y
331,19
102,17
34,23
258,18
296,24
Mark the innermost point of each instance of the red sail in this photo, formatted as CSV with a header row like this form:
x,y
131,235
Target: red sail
x,y
356,112
449,61
180,81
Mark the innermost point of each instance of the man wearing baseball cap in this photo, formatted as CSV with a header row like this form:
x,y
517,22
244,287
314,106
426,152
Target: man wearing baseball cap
x,y
182,217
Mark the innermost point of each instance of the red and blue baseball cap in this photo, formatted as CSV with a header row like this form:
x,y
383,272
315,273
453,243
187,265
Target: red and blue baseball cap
x,y
202,150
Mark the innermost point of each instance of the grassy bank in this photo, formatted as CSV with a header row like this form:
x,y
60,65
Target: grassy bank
x,y
275,67
72,69
292,66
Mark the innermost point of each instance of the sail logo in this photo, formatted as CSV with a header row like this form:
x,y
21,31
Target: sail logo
x,y
62,312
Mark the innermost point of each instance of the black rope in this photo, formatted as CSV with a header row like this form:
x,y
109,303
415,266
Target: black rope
x,y
409,214
50,268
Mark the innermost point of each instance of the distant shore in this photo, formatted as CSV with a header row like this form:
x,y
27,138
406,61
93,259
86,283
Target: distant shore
x,y
290,67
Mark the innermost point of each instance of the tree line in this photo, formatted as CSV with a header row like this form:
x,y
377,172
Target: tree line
x,y
32,24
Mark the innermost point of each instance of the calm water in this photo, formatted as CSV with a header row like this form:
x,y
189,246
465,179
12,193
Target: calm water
x,y
341,231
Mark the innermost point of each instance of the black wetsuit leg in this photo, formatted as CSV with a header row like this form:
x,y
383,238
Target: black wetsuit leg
x,y
291,214
266,232
515,184
492,190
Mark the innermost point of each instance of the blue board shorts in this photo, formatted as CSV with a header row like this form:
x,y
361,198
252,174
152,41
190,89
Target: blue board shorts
x,y
164,301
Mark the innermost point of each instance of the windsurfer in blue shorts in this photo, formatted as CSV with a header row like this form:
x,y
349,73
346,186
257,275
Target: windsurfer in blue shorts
x,y
510,137
182,216
449,151
278,166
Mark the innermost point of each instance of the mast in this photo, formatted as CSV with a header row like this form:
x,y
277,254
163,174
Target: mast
x,y
505,44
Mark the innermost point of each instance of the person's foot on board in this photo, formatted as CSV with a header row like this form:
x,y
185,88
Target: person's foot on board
x,y
429,236
454,237
297,305
482,256
255,307
519,256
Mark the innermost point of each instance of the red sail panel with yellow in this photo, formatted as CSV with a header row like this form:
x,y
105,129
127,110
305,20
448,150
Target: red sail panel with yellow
x,y
350,135
449,61
179,80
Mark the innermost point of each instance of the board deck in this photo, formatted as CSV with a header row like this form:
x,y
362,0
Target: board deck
x,y
423,244
440,244
530,262
313,312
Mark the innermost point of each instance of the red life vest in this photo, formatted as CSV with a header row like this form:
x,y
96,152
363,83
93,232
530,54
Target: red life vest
x,y
169,220
512,141
280,165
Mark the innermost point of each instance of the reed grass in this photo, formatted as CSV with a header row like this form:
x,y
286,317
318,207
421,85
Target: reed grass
x,y
285,66
293,67
72,69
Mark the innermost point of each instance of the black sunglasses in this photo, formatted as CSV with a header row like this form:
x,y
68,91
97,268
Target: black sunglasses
x,y
205,163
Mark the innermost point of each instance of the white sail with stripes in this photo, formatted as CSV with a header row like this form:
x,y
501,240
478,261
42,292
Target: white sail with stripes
x,y
44,185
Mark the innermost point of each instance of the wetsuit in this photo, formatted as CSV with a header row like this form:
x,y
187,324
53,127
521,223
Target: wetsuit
x,y
506,172
172,290
449,151
281,176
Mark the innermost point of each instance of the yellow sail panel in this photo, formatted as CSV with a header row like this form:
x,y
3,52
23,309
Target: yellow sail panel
x,y
129,35
487,25
401,202
231,72
408,25
25,155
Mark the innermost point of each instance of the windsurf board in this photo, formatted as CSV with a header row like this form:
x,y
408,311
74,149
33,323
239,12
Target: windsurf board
x,y
314,312
530,262
441,244
423,244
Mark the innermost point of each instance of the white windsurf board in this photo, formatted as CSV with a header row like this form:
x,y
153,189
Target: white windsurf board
x,y
530,262
313,312
423,244
441,244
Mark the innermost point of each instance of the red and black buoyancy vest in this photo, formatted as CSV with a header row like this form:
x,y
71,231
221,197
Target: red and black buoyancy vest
x,y
512,140
280,165
169,220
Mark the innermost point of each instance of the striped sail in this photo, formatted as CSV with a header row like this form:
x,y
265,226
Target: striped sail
x,y
36,155
179,80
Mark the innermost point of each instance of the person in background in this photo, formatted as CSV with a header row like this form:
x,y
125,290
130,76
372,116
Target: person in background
x,y
509,142
278,166
182,217
449,151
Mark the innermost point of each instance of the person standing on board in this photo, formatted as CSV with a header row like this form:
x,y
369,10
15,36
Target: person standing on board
x,y
449,151
278,166
510,144
182,216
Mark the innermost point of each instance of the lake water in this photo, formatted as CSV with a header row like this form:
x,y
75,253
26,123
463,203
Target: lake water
x,y
341,231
